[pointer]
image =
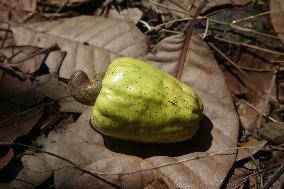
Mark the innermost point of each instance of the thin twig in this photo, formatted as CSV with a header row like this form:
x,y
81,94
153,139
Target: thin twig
x,y
64,159
26,18
171,22
247,30
274,177
170,31
251,17
255,69
229,151
60,9
250,46
187,39
206,28
223,152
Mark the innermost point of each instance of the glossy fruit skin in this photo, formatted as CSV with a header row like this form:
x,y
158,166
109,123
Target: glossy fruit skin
x,y
139,102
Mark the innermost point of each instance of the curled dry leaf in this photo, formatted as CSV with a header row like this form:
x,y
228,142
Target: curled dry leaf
x,y
218,131
91,47
251,165
277,17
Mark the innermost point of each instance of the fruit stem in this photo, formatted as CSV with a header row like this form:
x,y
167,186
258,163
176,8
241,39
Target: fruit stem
x,y
83,89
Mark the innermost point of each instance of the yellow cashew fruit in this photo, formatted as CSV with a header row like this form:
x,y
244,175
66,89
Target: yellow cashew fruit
x,y
139,102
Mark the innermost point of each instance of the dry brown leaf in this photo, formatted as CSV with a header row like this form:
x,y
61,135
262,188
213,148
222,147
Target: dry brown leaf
x,y
35,170
183,7
250,165
218,132
253,146
12,16
16,91
91,47
4,160
259,71
116,163
258,67
277,17
15,95
166,54
248,116
15,118
26,5
273,132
